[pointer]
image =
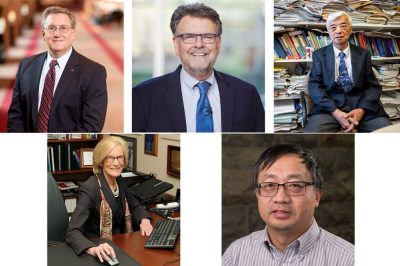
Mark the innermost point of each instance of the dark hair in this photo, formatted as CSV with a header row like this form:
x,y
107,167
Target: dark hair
x,y
195,10
272,154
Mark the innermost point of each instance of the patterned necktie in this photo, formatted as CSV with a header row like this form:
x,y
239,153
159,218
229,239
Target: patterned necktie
x,y
204,120
344,79
47,98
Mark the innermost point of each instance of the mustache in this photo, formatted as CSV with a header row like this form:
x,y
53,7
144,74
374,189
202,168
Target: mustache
x,y
201,50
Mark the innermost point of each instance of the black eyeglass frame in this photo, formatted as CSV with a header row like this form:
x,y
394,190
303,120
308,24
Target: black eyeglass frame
x,y
284,185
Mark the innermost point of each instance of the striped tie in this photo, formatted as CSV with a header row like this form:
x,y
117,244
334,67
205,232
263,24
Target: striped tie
x,y
47,98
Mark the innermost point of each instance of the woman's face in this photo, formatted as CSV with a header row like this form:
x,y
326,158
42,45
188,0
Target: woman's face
x,y
114,162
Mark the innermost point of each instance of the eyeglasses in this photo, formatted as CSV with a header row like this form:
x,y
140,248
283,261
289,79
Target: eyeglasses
x,y
110,159
270,189
63,29
191,38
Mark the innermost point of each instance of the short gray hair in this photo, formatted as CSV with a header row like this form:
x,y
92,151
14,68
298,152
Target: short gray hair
x,y
333,16
195,10
58,10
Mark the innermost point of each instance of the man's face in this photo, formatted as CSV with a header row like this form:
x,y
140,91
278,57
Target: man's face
x,y
284,214
197,58
340,31
58,43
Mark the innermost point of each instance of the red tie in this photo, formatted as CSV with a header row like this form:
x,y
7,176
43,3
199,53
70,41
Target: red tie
x,y
47,98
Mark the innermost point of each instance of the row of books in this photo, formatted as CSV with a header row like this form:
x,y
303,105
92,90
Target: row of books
x,y
77,136
298,44
63,157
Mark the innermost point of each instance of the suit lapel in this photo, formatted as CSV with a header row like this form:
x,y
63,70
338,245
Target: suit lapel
x,y
355,64
227,101
69,73
173,101
36,73
330,64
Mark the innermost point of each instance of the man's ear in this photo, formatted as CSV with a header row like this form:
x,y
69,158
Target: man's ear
x,y
318,195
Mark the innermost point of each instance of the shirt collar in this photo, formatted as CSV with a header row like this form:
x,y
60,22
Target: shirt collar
x,y
190,81
302,244
345,51
62,61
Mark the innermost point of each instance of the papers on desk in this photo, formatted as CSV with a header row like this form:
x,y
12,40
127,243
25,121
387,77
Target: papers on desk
x,y
128,174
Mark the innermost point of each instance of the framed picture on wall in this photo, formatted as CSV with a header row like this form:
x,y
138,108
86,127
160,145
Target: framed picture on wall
x,y
174,161
87,158
151,144
131,152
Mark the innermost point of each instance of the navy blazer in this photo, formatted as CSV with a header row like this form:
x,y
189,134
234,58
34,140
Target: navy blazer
x,y
157,105
79,102
327,97
85,221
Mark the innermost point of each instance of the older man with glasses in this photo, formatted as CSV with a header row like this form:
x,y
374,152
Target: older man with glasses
x,y
59,90
195,97
288,185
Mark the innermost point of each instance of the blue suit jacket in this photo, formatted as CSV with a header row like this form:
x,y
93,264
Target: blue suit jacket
x,y
157,105
327,96
79,102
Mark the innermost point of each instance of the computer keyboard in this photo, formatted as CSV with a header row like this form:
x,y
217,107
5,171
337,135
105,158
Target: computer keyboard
x,y
164,234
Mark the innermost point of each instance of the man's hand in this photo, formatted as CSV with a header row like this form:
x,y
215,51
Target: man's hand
x,y
145,227
346,124
103,252
355,116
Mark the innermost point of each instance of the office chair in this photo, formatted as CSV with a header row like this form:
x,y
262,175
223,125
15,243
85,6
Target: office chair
x,y
57,216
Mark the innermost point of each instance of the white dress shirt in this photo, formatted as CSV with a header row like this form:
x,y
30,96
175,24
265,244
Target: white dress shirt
x,y
62,62
191,96
347,60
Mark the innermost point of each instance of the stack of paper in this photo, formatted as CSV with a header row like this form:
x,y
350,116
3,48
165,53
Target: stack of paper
x,y
388,76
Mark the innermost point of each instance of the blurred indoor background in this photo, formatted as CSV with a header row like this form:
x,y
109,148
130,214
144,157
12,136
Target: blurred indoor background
x,y
99,37
242,52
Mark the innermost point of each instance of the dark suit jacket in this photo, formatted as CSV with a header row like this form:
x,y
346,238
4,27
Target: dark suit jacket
x,y
79,103
327,96
157,105
85,221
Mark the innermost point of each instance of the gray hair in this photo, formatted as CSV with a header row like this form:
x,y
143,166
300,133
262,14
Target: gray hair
x,y
58,10
195,10
272,154
333,16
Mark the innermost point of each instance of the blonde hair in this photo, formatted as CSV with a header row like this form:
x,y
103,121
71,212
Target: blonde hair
x,y
104,147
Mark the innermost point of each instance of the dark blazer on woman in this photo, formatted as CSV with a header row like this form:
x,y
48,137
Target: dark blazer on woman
x,y
85,221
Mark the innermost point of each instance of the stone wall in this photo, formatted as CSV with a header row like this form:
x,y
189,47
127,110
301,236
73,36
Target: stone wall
x,y
239,205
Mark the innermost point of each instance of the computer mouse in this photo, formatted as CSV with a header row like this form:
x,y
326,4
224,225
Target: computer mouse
x,y
111,261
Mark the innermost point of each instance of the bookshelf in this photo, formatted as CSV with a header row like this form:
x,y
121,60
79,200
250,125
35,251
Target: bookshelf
x,y
365,35
64,153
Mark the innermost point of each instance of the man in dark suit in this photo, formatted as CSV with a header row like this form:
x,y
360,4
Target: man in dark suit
x,y
59,90
343,86
195,97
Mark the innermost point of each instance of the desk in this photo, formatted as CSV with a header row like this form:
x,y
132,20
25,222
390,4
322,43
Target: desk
x,y
133,245
129,248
